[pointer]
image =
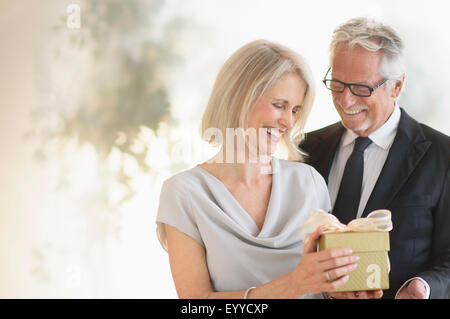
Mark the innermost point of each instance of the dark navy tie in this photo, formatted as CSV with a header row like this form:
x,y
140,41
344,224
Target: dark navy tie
x,y
347,201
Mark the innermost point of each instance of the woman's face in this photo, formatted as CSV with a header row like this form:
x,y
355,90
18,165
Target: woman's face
x,y
276,111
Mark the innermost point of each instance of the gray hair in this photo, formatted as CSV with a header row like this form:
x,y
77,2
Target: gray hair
x,y
373,36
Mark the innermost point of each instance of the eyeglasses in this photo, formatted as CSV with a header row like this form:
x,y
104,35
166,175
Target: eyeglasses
x,y
356,89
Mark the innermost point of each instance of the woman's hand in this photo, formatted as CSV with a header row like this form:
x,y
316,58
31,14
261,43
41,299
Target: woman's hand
x,y
325,270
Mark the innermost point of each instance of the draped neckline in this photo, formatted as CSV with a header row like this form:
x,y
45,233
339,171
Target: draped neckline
x,y
234,208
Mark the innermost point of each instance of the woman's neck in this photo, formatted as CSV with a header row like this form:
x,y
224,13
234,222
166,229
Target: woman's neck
x,y
239,170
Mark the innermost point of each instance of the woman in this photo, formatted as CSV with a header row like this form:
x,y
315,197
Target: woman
x,y
232,227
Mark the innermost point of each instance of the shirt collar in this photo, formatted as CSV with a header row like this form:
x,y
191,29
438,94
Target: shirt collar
x,y
384,136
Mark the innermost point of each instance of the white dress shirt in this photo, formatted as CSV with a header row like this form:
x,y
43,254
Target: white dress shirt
x,y
375,156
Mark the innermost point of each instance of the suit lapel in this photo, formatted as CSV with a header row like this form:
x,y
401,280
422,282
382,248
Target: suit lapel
x,y
327,149
406,152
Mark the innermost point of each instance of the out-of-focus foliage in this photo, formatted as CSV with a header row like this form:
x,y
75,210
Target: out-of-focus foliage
x,y
133,93
131,51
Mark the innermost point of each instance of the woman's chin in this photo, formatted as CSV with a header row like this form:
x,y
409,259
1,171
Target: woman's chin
x,y
268,151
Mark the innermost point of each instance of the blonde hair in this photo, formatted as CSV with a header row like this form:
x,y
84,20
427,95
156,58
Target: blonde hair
x,y
244,77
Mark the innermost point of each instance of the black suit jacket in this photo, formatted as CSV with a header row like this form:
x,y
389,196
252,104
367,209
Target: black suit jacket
x,y
414,186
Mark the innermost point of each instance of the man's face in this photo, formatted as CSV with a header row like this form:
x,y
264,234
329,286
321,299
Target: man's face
x,y
362,115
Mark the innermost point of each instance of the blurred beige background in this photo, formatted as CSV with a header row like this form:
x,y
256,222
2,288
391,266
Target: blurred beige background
x,y
68,228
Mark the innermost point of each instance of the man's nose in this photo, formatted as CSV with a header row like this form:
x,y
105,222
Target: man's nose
x,y
346,98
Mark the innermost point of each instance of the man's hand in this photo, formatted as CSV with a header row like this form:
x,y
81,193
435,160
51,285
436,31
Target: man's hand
x,y
370,294
415,289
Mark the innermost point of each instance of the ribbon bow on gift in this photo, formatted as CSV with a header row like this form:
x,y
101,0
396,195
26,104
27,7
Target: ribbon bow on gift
x,y
378,220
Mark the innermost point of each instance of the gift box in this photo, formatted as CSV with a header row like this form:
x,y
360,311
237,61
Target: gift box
x,y
372,248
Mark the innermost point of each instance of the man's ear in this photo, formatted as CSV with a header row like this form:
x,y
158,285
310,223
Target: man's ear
x,y
397,88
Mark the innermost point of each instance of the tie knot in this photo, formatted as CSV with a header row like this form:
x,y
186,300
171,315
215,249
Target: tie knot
x,y
361,144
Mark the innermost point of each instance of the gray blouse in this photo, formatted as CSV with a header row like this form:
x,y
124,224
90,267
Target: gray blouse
x,y
240,255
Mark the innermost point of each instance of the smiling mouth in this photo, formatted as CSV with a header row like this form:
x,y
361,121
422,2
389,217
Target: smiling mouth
x,y
274,132
352,111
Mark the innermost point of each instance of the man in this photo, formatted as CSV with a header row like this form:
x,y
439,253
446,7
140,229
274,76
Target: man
x,y
385,160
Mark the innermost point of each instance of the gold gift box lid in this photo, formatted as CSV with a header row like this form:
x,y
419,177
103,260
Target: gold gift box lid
x,y
357,241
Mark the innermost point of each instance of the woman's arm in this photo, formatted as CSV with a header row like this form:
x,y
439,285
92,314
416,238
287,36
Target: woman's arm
x,y
191,276
188,264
